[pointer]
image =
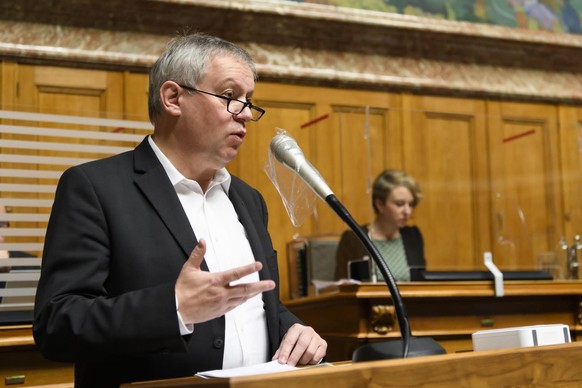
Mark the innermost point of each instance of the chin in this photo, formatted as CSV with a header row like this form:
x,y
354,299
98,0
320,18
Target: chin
x,y
228,158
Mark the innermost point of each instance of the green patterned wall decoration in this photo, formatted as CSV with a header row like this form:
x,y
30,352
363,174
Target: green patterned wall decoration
x,y
547,15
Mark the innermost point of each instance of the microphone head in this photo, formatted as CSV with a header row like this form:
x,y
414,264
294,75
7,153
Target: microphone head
x,y
287,151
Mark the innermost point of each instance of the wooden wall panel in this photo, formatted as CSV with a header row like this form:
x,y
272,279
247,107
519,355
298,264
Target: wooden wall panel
x,y
445,150
8,85
524,170
363,148
65,91
571,170
135,98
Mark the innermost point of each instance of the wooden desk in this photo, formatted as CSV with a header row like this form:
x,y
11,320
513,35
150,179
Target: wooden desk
x,y
20,357
449,312
547,366
356,314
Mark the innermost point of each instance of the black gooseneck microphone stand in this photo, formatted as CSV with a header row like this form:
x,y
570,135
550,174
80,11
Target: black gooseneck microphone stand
x,y
289,154
407,346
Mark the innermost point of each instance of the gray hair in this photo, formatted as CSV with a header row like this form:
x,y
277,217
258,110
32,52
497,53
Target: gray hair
x,y
184,61
388,180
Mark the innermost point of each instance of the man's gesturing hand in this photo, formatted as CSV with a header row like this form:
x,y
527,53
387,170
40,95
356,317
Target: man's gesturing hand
x,y
205,295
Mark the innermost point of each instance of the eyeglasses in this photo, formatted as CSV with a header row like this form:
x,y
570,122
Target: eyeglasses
x,y
233,105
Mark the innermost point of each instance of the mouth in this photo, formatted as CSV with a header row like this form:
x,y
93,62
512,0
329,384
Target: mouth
x,y
237,137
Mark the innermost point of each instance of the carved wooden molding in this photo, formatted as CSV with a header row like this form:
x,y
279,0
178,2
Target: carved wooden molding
x,y
382,319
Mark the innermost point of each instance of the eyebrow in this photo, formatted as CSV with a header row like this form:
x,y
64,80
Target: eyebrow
x,y
234,84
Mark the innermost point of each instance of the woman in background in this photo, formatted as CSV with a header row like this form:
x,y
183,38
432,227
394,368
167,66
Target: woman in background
x,y
394,197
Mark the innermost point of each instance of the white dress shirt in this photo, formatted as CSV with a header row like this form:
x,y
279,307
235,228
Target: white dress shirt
x,y
213,218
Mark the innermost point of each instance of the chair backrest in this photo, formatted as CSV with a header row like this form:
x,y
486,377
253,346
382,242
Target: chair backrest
x,y
321,257
310,258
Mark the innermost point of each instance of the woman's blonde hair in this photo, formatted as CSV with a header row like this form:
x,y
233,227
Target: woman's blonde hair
x,y
388,180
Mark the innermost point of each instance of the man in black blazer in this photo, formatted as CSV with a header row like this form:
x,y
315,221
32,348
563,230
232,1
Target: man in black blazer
x,y
157,263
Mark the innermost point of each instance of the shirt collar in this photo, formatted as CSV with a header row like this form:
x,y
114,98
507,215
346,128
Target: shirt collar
x,y
221,176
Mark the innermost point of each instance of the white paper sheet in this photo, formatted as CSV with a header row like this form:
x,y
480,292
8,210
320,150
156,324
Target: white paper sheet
x,y
259,369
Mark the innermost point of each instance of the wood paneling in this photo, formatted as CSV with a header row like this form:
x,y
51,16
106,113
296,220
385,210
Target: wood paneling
x,y
445,149
345,134
135,98
64,91
524,159
496,176
449,312
571,170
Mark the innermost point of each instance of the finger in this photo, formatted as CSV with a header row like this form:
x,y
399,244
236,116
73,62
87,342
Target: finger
x,y
287,344
306,356
237,273
197,254
300,353
319,353
275,356
309,347
314,352
242,292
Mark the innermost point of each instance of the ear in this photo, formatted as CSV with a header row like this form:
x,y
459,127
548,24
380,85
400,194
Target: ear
x,y
379,204
169,96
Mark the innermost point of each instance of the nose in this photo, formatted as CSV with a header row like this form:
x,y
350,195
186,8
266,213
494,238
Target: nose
x,y
245,115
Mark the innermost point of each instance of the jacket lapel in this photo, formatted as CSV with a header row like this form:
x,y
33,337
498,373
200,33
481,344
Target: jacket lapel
x,y
245,218
269,298
156,186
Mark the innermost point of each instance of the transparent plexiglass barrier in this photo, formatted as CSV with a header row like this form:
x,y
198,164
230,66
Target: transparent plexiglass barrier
x,y
507,187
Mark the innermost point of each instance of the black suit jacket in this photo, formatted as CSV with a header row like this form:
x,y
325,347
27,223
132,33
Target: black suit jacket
x,y
350,248
116,241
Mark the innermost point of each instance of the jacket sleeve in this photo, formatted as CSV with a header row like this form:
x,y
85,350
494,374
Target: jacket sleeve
x,y
413,246
75,317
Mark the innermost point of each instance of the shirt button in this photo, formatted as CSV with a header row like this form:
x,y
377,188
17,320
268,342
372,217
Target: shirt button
x,y
218,343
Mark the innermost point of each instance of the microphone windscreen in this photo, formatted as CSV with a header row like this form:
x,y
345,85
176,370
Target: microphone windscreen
x,y
286,151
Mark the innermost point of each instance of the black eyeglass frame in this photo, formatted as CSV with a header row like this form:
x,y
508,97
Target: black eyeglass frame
x,y
246,104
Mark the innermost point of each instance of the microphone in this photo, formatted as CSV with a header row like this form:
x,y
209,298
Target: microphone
x,y
287,152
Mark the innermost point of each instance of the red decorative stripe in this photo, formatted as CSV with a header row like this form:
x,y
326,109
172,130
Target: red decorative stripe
x,y
316,120
510,138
